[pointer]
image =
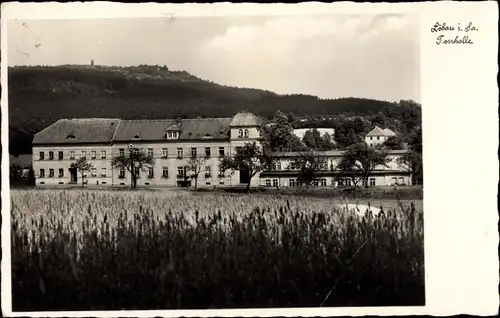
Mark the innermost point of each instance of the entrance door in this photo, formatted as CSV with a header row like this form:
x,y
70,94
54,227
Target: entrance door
x,y
244,176
73,173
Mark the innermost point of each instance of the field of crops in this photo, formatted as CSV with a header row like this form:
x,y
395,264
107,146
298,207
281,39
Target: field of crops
x,y
98,250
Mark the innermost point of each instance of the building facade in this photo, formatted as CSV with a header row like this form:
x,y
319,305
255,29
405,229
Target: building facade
x,y
172,143
284,175
377,136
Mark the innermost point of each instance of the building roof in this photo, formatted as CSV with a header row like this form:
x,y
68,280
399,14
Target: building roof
x,y
25,160
377,131
245,119
389,133
82,130
190,129
13,160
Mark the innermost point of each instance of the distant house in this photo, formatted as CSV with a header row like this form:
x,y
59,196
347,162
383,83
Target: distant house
x,y
378,136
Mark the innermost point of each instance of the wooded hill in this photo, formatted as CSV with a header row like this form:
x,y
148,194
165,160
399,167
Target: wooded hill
x,y
40,95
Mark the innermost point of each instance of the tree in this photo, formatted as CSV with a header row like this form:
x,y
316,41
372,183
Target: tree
x,y
352,138
250,157
412,160
15,172
312,139
326,142
82,166
136,161
280,136
359,160
309,163
394,142
195,165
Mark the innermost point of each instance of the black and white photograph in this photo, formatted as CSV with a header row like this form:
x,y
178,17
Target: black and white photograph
x,y
215,162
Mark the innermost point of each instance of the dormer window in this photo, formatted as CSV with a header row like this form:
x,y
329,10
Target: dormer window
x,y
137,137
240,133
172,135
71,136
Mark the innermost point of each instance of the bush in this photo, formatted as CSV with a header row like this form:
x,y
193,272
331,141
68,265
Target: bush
x,y
86,250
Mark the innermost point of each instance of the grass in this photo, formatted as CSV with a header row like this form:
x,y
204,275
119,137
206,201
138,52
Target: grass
x,y
103,250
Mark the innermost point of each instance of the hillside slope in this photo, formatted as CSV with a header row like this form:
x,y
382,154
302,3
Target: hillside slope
x,y
39,96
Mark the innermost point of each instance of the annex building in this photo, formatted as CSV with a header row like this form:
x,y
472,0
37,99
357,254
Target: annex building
x,y
171,143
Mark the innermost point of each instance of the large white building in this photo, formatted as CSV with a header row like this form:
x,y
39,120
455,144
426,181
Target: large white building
x,y
171,142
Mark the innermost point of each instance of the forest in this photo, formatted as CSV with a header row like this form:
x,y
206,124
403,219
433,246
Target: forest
x,y
41,95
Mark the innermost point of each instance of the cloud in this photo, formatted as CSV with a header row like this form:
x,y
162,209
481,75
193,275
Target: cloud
x,y
316,55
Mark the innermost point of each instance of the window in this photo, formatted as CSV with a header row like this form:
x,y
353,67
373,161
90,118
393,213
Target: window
x,y
51,173
150,152
61,173
372,181
42,173
364,183
165,172
341,182
42,155
172,135
207,152
103,172
275,182
323,182
93,172
348,182
278,165
121,152
378,138
179,153
93,154
401,181
180,172
238,148
51,155
164,153
71,155
316,182
240,133
291,182
60,155
193,152
103,154
84,154
268,182
208,172
121,174
371,138
393,181
221,151
246,133
151,172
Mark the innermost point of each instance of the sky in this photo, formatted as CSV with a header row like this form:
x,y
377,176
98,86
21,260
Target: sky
x,y
329,56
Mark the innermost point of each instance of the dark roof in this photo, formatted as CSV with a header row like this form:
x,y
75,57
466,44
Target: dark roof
x,y
13,160
85,130
191,129
25,160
